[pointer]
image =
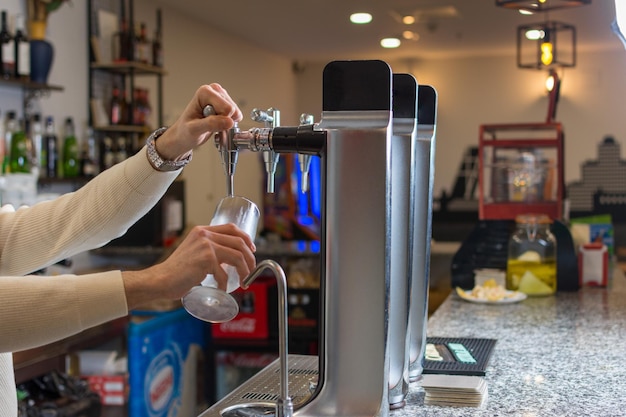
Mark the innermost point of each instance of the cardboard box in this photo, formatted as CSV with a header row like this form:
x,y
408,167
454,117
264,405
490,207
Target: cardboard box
x,y
112,389
163,354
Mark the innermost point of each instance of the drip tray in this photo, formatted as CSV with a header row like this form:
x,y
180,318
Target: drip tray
x,y
257,396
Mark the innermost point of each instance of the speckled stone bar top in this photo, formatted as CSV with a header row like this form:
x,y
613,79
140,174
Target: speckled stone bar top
x,y
563,355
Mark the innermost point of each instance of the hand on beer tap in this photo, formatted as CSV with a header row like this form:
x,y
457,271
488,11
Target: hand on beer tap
x,y
193,129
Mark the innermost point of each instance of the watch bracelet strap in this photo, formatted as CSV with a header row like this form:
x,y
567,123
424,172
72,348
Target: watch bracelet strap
x,y
156,160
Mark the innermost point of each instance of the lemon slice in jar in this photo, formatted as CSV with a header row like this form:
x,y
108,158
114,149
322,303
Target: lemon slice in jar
x,y
531,285
530,256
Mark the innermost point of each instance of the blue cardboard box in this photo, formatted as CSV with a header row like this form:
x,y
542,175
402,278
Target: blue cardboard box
x,y
163,352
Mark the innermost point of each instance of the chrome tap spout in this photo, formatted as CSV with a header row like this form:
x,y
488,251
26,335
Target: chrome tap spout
x,y
284,404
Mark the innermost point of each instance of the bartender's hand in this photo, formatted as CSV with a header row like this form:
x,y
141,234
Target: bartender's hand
x,y
192,129
202,252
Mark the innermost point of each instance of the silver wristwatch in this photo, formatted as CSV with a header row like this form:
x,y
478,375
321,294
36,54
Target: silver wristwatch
x,y
155,159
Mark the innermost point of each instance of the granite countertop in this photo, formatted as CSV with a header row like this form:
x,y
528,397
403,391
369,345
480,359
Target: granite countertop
x,y
563,355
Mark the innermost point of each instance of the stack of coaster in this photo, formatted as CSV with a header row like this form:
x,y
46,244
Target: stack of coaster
x,y
454,390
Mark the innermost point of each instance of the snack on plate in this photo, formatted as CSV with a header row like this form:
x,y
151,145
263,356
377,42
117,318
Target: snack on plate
x,y
491,291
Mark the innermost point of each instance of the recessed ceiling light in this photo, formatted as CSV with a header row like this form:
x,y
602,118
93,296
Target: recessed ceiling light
x,y
360,18
390,42
409,35
408,19
526,12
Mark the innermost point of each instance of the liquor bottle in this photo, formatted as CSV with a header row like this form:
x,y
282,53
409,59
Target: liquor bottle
x,y
36,137
6,48
157,43
20,150
50,153
124,38
21,47
9,129
108,156
71,163
88,157
116,107
141,44
121,152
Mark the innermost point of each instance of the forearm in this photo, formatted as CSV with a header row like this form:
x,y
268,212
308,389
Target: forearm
x,y
100,211
39,310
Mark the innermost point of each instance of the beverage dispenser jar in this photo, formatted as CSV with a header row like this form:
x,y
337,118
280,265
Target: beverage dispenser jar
x,y
531,263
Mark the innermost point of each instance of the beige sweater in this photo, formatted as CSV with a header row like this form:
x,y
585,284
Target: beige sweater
x,y
38,310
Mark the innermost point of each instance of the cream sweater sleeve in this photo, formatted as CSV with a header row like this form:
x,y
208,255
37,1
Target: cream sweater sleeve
x,y
39,310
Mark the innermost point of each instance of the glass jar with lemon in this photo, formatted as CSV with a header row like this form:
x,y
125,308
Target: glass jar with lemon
x,y
531,263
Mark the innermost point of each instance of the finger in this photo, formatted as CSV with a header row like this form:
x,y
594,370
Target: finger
x,y
231,229
215,95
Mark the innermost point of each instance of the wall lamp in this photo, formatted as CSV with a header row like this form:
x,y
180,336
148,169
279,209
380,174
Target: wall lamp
x,y
546,45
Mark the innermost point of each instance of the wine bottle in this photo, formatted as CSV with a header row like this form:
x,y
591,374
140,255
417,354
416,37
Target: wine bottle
x,y
116,107
71,163
19,161
6,48
36,137
50,149
157,43
21,47
88,158
9,130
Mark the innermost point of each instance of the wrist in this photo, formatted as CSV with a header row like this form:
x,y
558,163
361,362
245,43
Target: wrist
x,y
163,161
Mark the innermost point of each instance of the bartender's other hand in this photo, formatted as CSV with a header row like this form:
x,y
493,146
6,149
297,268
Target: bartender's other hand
x,y
192,129
202,252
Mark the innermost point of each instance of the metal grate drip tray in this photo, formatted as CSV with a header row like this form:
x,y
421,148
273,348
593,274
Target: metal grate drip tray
x,y
264,389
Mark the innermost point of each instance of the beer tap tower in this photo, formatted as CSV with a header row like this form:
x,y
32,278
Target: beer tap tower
x,y
356,142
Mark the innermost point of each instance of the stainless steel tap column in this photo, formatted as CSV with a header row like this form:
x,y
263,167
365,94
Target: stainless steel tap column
x,y
423,178
353,375
354,141
402,144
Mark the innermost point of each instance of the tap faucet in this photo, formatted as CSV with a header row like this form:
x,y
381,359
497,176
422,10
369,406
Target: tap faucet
x,y
229,152
305,159
284,404
271,119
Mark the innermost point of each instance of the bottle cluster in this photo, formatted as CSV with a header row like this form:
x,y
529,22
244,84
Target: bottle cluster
x,y
132,44
14,48
33,145
122,111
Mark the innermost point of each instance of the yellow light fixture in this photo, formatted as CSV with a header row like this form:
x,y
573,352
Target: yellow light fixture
x,y
360,18
537,46
540,5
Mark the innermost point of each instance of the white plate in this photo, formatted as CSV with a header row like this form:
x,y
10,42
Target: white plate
x,y
511,297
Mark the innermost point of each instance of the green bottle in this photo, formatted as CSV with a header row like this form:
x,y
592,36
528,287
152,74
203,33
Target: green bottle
x,y
71,160
19,159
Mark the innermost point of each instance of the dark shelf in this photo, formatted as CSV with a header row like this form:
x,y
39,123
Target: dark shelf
x,y
124,128
29,85
136,68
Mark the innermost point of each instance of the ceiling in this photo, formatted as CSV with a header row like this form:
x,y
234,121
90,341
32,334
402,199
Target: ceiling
x,y
319,29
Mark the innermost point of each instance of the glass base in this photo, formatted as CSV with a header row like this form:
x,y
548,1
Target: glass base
x,y
210,304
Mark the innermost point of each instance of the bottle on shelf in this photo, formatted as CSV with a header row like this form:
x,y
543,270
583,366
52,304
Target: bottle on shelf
x,y
50,153
157,42
6,48
107,154
116,107
142,45
124,40
122,150
10,128
88,157
21,46
71,163
36,136
20,160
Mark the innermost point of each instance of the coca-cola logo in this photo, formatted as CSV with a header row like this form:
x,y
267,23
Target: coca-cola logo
x,y
243,325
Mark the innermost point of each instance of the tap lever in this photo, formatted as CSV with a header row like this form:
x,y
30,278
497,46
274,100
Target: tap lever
x,y
284,405
208,110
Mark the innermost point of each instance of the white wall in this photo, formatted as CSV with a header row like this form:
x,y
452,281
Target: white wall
x,y
472,91
485,90
194,54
